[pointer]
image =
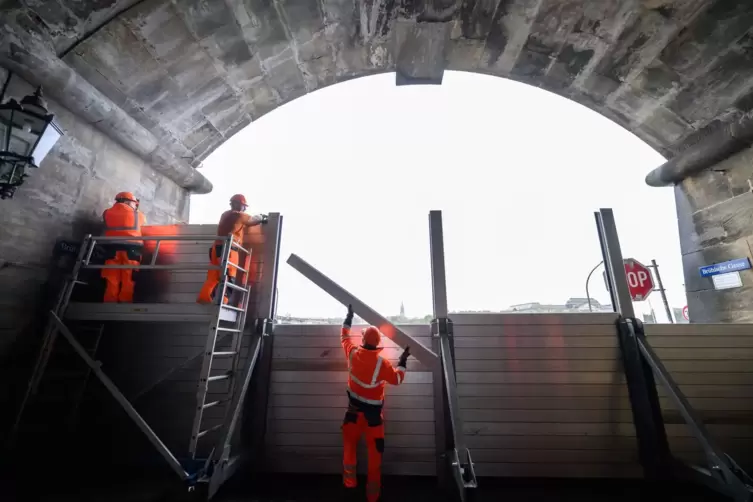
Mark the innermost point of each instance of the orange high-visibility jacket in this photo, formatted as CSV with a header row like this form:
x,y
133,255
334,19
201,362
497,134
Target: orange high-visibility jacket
x,y
234,223
368,371
121,220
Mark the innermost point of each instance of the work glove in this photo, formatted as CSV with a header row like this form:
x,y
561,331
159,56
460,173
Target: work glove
x,y
403,361
349,318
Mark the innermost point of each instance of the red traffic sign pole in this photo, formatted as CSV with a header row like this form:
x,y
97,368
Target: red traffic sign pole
x,y
639,279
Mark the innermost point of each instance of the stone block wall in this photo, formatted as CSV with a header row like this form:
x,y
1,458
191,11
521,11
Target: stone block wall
x,y
715,218
64,199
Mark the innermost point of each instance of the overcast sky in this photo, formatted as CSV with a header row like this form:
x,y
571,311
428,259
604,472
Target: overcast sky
x,y
517,172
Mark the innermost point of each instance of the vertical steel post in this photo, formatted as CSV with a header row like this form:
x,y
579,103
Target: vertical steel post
x,y
614,263
663,291
653,448
439,299
254,424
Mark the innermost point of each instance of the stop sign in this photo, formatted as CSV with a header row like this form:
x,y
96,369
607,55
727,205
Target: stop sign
x,y
639,279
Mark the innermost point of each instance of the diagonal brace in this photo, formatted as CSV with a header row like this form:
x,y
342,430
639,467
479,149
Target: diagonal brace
x,y
120,398
418,350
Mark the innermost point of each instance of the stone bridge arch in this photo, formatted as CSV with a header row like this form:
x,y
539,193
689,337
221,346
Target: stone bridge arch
x,y
146,89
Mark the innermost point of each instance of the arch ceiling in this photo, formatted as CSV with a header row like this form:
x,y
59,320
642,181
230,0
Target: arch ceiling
x,y
194,72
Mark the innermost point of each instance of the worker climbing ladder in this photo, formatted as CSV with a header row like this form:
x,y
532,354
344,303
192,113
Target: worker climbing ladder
x,y
225,319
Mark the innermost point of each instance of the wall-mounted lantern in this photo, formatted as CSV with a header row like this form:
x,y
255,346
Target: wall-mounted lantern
x,y
27,134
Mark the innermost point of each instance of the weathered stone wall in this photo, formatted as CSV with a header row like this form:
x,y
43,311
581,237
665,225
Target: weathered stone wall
x,y
65,198
715,217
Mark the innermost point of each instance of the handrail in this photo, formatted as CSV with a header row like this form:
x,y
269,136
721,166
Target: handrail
x,y
92,241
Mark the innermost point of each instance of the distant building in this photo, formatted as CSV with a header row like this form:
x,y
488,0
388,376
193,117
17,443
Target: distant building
x,y
571,306
402,309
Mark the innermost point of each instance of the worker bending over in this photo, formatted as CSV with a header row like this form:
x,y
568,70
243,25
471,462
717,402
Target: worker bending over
x,y
368,371
123,219
233,222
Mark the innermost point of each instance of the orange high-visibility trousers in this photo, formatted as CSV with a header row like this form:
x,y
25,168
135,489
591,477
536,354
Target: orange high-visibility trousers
x,y
213,276
356,424
119,281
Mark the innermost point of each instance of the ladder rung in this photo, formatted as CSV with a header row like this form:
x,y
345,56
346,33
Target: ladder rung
x,y
204,433
219,377
230,330
237,267
230,307
236,287
224,354
213,403
83,283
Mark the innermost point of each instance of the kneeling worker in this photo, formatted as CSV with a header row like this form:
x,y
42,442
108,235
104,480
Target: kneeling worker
x,y
233,222
367,374
123,219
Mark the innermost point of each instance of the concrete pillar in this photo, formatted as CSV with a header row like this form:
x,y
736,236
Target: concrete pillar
x,y
715,218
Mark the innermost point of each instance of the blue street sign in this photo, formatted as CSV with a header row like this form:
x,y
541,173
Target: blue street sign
x,y
725,267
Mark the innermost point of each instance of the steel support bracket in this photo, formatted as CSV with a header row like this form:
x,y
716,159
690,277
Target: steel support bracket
x,y
441,326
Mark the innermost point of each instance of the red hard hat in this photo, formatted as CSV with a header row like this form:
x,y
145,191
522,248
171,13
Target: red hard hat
x,y
239,198
371,336
127,196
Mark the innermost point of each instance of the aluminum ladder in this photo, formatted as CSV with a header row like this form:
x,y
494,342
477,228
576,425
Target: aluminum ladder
x,y
211,354
48,340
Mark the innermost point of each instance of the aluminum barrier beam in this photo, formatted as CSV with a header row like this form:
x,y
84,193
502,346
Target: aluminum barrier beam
x,y
426,356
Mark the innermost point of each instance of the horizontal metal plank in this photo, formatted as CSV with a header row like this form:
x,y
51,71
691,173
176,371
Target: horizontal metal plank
x,y
705,353
698,329
539,330
332,465
557,389
144,312
615,445
549,403
514,365
547,429
548,416
580,353
588,365
599,429
333,330
507,318
521,377
716,341
315,389
555,470
703,390
335,377
336,414
544,456
742,417
596,378
336,439
539,342
391,426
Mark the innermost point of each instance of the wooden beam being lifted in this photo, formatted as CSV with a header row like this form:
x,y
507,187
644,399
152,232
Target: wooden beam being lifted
x,y
366,313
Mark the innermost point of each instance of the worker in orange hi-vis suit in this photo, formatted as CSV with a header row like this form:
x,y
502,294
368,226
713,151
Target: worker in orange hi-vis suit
x,y
123,219
368,372
233,222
